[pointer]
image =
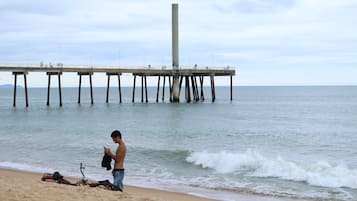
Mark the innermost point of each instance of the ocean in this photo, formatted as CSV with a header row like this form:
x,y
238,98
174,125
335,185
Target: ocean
x,y
297,142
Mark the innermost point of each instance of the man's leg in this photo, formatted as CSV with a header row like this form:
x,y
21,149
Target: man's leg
x,y
118,179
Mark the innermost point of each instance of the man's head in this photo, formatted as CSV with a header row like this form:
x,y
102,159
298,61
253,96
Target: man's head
x,y
116,136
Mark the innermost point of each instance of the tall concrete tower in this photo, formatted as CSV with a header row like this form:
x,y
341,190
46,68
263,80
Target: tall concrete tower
x,y
175,53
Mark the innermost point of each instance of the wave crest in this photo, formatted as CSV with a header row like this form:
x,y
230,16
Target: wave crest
x,y
252,163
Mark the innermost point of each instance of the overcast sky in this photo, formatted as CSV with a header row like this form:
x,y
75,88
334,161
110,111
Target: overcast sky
x,y
269,42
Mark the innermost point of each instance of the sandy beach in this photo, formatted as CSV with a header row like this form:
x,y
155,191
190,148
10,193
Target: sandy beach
x,y
18,185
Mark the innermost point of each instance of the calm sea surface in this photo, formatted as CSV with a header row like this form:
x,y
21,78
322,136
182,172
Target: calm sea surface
x,y
277,141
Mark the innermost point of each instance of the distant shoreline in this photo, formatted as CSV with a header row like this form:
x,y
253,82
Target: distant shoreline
x,y
7,86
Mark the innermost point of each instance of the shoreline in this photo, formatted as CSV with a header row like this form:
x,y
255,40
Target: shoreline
x,y
18,185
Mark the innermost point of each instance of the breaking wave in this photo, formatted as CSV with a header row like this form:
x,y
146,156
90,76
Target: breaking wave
x,y
252,163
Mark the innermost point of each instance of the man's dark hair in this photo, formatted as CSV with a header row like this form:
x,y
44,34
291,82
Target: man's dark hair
x,y
115,134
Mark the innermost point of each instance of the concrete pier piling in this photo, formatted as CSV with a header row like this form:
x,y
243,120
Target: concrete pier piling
x,y
108,86
163,90
80,74
144,89
202,95
49,74
213,88
133,99
15,86
158,89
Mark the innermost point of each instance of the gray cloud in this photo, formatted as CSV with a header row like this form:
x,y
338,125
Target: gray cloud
x,y
251,34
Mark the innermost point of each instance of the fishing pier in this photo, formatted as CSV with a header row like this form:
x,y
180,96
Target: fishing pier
x,y
191,78
177,75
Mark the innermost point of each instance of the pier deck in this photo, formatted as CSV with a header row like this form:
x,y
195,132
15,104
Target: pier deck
x,y
82,70
148,71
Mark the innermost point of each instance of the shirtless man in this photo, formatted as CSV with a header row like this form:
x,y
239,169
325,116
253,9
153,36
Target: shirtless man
x,y
118,171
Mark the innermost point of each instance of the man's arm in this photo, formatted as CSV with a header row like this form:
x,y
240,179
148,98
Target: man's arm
x,y
107,151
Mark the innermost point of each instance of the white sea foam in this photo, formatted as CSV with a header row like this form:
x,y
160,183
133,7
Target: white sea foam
x,y
252,163
24,167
